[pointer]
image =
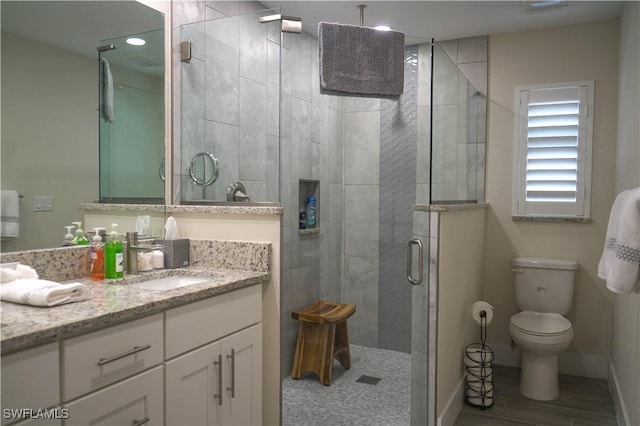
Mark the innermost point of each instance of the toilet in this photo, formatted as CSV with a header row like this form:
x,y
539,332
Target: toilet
x,y
544,293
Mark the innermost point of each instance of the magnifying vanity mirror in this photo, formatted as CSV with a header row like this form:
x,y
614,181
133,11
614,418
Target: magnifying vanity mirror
x,y
204,170
51,124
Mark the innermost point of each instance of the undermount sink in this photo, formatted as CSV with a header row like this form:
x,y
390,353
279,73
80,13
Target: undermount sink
x,y
169,283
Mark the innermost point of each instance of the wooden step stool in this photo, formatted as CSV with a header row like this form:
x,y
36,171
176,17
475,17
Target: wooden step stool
x,y
322,336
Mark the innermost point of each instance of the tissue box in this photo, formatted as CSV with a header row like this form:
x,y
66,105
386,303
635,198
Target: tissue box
x,y
176,253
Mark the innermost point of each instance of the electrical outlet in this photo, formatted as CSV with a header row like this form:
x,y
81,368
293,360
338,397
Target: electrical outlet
x,y
42,203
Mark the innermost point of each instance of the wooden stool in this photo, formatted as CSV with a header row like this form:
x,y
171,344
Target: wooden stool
x,y
322,337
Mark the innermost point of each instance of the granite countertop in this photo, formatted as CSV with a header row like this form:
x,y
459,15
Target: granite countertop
x,y
110,303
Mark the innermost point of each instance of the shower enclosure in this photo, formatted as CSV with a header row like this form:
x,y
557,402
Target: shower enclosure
x,y
250,98
132,133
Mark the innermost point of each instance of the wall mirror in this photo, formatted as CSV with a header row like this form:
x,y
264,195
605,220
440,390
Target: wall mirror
x,y
50,118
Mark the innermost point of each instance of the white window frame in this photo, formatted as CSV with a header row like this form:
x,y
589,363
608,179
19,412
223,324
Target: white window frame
x,y
580,208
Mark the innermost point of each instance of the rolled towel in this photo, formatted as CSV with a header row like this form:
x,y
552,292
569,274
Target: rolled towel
x,y
42,292
27,272
8,274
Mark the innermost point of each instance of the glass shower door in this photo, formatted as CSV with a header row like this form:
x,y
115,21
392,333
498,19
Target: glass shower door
x,y
132,119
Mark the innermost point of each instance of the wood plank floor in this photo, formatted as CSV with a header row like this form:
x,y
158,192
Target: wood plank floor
x,y
582,402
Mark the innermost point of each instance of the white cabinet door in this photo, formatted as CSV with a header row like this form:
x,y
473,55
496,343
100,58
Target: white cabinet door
x,y
134,401
30,379
231,368
242,354
193,386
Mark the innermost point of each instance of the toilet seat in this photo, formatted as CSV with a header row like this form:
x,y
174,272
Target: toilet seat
x,y
540,323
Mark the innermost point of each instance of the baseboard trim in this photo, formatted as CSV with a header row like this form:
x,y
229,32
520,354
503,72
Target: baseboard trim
x,y
618,402
453,407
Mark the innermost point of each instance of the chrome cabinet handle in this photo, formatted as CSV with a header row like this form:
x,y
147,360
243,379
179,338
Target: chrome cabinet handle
x,y
219,364
232,388
414,281
140,422
134,350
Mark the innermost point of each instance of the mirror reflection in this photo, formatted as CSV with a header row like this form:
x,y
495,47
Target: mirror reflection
x,y
50,122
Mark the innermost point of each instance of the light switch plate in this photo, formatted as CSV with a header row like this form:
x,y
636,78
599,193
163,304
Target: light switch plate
x,y
43,203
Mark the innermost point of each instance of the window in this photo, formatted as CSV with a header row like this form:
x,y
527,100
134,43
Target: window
x,y
553,150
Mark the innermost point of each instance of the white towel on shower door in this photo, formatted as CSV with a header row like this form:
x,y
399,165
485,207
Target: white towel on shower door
x,y
106,107
620,262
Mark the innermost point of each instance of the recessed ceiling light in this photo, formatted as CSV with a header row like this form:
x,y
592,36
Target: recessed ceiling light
x,y
382,28
542,5
134,41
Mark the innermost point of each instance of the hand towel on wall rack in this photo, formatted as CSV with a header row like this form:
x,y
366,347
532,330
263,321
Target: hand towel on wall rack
x,y
360,60
10,212
106,94
620,262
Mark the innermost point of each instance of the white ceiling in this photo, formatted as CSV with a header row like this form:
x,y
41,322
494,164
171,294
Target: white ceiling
x,y
446,20
81,26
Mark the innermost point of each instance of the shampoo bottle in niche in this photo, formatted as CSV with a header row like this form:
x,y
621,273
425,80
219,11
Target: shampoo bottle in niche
x,y
311,212
114,259
80,239
97,257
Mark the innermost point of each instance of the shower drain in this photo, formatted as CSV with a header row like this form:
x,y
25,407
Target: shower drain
x,y
369,380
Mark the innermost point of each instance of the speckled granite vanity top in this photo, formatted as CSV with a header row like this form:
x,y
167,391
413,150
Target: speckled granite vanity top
x,y
112,302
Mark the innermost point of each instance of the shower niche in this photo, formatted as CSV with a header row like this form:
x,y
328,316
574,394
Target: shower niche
x,y
309,207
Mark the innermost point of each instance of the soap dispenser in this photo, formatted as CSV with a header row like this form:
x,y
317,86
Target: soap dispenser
x,y
68,237
114,258
97,257
80,239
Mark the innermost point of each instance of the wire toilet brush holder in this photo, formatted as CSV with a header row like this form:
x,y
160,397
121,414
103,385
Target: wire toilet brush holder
x,y
478,362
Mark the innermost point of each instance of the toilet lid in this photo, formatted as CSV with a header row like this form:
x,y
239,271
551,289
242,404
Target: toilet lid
x,y
540,323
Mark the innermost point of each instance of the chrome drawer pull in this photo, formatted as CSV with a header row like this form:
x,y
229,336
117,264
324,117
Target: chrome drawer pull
x,y
134,350
140,422
219,364
232,357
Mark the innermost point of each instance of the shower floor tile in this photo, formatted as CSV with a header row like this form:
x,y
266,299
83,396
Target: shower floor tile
x,y
306,402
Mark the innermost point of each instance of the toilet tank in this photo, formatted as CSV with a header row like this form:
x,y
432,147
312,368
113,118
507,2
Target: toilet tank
x,y
543,284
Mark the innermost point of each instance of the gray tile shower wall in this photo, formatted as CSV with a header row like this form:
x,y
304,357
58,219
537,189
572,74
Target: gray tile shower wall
x,y
398,146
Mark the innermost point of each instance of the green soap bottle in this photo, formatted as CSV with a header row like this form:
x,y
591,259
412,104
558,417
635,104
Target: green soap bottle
x,y
80,239
113,256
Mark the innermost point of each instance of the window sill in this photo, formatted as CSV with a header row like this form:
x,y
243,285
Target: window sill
x,y
550,219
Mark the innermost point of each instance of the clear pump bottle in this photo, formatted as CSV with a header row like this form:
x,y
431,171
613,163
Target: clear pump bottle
x,y
68,237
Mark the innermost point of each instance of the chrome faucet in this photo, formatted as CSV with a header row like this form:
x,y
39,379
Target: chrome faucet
x,y
132,252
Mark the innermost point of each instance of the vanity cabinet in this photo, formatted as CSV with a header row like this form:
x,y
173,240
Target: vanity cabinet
x,y
219,383
30,380
196,364
135,401
97,359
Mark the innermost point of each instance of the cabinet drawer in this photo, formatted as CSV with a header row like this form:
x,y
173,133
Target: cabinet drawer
x,y
30,379
195,324
137,400
100,358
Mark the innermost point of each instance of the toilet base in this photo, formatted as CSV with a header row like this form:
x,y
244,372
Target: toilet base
x,y
539,376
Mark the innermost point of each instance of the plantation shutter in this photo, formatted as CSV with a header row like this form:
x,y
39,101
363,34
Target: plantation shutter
x,y
552,154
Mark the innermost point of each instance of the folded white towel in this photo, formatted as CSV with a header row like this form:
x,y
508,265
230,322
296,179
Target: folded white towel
x,y
620,262
42,292
10,214
16,272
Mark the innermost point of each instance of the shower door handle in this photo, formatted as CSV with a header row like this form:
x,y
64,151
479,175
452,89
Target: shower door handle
x,y
414,281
